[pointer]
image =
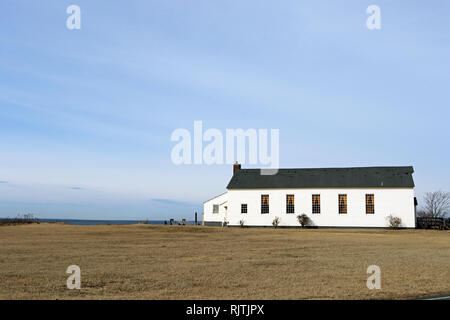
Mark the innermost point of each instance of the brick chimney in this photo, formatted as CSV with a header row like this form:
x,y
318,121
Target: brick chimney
x,y
236,167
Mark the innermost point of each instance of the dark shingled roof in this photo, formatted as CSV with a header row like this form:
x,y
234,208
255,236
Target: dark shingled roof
x,y
381,177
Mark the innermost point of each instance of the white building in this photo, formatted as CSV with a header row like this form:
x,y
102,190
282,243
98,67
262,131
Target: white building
x,y
330,197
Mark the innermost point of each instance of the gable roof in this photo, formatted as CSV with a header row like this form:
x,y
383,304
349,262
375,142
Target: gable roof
x,y
324,178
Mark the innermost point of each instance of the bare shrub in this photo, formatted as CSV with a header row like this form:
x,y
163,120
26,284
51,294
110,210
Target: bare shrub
x,y
276,222
304,220
394,222
242,223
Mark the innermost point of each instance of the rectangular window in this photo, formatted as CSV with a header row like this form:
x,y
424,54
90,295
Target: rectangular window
x,y
243,208
290,203
215,208
370,204
264,203
342,204
316,203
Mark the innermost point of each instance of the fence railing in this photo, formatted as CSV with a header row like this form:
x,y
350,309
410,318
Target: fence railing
x,y
433,223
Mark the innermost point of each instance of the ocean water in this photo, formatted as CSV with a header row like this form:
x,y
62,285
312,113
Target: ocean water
x,y
79,222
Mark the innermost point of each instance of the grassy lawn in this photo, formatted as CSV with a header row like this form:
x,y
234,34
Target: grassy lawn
x,y
181,262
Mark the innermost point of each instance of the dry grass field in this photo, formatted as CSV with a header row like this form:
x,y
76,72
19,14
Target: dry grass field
x,y
181,262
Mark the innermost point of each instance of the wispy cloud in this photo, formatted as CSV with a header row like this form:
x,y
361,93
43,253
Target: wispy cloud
x,y
172,202
76,188
3,181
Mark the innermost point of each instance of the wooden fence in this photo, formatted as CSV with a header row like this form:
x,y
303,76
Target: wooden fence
x,y
433,223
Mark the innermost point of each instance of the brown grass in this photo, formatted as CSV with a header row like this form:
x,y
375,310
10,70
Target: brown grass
x,y
172,262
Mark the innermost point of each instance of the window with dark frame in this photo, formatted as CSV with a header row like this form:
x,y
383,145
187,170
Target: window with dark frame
x,y
370,204
264,203
243,208
342,204
316,203
290,203
215,208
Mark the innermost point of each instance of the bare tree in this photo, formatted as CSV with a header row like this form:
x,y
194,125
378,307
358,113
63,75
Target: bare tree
x,y
436,204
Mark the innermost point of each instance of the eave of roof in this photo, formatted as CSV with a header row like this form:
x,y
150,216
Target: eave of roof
x,y
215,197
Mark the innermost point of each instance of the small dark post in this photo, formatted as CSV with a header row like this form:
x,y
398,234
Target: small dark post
x,y
196,218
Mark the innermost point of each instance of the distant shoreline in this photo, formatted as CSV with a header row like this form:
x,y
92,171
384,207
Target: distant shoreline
x,y
88,222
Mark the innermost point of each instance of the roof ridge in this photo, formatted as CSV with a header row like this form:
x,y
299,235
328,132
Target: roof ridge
x,y
370,167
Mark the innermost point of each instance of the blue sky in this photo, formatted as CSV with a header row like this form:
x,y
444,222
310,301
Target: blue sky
x,y
86,115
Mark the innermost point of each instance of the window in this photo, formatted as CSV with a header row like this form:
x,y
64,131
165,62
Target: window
x,y
290,203
370,204
316,203
342,204
264,203
243,208
215,208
